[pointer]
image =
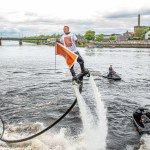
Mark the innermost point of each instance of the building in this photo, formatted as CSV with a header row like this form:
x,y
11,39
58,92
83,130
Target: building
x,y
121,38
81,38
147,36
128,35
114,34
51,40
106,39
139,29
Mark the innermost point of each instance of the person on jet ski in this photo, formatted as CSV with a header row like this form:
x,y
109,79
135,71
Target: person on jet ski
x,y
111,72
144,119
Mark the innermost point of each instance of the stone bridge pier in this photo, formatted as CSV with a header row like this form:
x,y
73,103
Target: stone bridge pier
x,y
37,42
20,42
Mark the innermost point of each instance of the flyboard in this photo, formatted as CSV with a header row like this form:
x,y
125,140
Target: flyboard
x,y
79,79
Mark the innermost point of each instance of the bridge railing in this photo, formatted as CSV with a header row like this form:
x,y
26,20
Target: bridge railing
x,y
38,40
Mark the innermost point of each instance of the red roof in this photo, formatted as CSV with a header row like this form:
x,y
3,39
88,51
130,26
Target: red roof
x,y
132,33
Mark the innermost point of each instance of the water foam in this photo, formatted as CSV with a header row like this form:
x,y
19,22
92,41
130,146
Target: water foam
x,y
47,141
101,113
92,137
145,142
87,119
95,133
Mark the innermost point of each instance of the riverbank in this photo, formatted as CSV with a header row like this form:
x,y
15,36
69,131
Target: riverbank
x,y
126,44
81,45
112,45
117,45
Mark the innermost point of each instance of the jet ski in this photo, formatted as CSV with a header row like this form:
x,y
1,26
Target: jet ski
x,y
141,119
112,77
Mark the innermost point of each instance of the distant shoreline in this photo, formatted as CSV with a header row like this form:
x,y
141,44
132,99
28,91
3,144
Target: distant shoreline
x,y
128,44
124,45
110,45
93,44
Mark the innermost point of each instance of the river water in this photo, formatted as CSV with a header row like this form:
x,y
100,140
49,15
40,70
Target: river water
x,y
33,95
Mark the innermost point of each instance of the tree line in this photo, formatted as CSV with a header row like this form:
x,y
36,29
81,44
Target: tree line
x,y
91,35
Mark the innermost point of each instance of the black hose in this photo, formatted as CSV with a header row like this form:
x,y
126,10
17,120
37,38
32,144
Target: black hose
x,y
41,132
2,127
49,127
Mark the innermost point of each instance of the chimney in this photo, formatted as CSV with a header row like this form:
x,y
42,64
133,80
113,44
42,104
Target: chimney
x,y
138,19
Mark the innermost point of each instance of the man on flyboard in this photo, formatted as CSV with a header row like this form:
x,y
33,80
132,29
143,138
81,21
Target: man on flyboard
x,y
69,40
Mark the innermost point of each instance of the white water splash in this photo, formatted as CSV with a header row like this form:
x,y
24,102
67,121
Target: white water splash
x,y
145,140
92,137
46,141
95,138
101,113
87,119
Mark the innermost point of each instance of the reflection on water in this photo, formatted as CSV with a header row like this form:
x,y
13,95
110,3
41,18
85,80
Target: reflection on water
x,y
33,94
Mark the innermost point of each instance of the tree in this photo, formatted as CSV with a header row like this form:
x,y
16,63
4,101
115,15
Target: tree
x,y
144,32
99,37
55,36
136,38
138,32
112,37
89,35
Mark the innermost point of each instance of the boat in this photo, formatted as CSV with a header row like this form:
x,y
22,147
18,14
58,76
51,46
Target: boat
x,y
143,126
113,77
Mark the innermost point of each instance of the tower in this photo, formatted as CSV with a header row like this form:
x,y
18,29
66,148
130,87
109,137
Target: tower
x,y
139,29
138,19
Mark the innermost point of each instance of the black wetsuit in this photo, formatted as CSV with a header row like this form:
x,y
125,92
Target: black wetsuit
x,y
80,61
111,72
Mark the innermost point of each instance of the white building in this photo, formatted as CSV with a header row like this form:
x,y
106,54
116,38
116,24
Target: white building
x,y
51,40
147,35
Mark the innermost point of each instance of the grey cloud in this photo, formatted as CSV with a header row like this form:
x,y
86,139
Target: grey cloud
x,y
56,25
2,19
31,14
56,21
121,14
127,13
37,24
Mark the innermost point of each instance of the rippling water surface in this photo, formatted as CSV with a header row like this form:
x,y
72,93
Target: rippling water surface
x,y
33,95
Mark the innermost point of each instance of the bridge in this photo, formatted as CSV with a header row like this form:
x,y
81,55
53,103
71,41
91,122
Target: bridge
x,y
38,40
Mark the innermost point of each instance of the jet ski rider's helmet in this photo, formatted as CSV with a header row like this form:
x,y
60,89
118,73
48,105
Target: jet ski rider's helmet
x,y
138,111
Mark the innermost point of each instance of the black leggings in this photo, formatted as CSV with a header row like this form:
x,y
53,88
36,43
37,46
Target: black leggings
x,y
80,61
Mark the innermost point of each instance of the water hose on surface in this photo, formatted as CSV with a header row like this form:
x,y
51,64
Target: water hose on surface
x,y
39,133
46,129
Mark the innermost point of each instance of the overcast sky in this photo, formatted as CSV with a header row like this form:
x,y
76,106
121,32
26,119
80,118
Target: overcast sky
x,y
34,17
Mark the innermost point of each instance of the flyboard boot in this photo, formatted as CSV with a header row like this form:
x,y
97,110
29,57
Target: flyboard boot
x,y
79,78
84,71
